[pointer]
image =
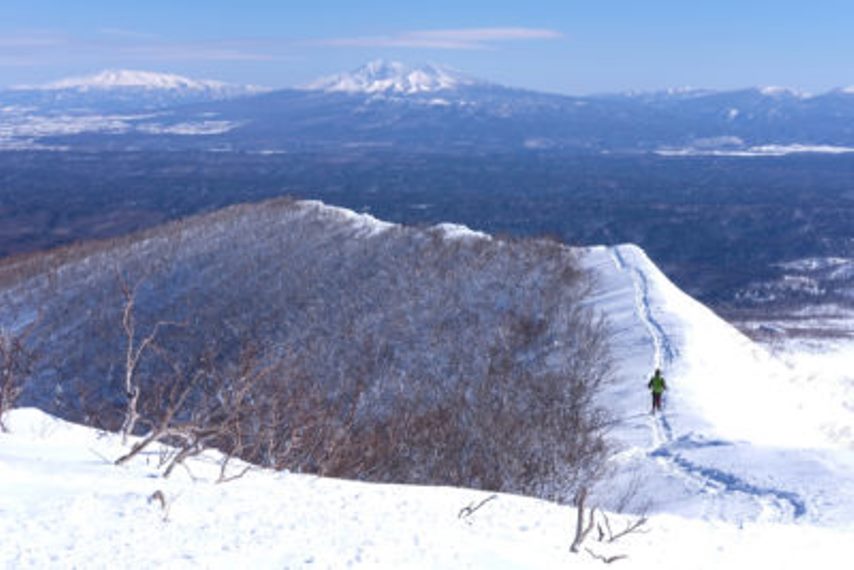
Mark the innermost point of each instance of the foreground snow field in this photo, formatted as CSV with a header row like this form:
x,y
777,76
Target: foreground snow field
x,y
62,505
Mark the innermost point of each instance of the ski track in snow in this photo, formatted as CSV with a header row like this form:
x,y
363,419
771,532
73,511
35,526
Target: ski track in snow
x,y
664,442
664,350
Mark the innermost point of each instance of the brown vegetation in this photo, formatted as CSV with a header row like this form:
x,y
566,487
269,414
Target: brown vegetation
x,y
320,344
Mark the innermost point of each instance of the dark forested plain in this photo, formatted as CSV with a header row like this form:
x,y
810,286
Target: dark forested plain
x,y
716,225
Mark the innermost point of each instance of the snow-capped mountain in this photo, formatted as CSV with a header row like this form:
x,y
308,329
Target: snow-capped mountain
x,y
113,91
111,79
392,77
120,78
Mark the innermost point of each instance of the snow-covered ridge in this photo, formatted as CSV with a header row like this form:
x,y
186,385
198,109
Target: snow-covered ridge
x,y
727,451
124,78
459,231
777,91
392,77
368,225
365,224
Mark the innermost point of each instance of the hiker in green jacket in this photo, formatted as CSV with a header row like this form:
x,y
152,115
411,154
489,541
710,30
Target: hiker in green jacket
x,y
657,385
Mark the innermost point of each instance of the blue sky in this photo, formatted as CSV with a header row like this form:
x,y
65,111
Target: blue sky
x,y
561,46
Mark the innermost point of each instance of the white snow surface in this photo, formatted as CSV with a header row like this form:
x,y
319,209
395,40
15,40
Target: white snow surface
x,y
392,77
119,78
26,128
778,91
759,150
189,128
366,224
63,504
458,231
751,464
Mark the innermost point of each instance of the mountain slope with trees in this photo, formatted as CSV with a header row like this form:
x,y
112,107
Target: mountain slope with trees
x,y
307,337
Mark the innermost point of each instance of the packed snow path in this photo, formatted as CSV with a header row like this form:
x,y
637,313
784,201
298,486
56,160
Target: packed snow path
x,y
788,504
664,352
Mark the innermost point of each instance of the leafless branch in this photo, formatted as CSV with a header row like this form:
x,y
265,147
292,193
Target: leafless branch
x,y
606,559
471,508
223,478
582,531
633,526
134,351
16,361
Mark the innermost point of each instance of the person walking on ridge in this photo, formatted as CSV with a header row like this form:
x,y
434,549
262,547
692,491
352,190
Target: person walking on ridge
x,y
657,386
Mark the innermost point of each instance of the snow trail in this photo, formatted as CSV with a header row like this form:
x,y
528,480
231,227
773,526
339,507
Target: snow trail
x,y
664,351
786,503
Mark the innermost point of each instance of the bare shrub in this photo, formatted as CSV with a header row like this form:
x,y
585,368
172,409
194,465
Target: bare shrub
x,y
606,534
206,408
392,354
135,350
16,362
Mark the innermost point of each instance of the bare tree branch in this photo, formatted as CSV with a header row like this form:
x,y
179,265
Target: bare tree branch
x,y
581,531
606,559
134,351
471,508
16,362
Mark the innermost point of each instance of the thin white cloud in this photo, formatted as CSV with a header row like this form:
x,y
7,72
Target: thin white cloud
x,y
27,48
111,45
119,45
490,34
31,41
459,38
210,51
122,33
17,61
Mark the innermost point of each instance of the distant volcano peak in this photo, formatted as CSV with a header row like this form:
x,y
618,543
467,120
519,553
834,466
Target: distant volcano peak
x,y
393,77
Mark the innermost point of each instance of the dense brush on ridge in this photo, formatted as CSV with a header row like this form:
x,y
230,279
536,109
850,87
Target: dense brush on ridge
x,y
431,355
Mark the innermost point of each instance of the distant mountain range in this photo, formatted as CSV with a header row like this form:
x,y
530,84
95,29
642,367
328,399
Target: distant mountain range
x,y
427,108
121,90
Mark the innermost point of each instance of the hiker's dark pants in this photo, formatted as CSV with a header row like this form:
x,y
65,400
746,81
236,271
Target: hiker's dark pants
x,y
656,401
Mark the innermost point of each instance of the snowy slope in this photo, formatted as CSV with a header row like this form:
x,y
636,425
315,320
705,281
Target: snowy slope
x,y
63,505
742,435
